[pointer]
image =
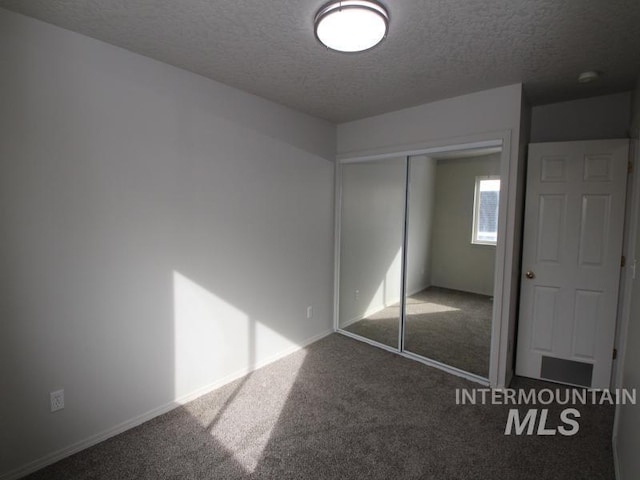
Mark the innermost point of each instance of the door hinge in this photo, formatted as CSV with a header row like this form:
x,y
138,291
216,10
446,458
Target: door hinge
x,y
615,353
630,167
623,261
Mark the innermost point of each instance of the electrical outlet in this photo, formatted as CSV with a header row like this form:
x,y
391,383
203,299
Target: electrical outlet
x,y
57,400
357,294
309,311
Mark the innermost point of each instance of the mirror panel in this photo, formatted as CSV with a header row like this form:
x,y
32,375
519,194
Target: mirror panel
x,y
371,249
452,219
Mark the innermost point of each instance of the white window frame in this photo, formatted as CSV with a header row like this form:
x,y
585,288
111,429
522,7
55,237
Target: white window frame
x,y
476,209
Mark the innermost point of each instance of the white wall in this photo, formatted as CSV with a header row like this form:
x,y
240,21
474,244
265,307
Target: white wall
x,y
372,219
490,113
605,116
438,122
372,227
160,232
457,263
422,191
628,416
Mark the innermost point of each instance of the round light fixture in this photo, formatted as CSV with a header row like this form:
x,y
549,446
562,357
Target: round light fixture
x,y
588,77
351,26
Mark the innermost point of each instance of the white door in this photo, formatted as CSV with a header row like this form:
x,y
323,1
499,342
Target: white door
x,y
571,260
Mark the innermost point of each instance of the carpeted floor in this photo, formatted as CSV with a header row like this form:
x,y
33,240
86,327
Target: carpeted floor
x,y
446,325
342,409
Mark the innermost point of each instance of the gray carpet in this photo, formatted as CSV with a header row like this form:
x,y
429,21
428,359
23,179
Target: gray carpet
x,y
342,409
446,325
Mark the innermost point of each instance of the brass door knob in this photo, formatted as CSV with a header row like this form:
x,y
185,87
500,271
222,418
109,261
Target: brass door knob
x,y
530,275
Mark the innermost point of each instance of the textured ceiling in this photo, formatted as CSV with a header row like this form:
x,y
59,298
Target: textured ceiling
x,y
435,48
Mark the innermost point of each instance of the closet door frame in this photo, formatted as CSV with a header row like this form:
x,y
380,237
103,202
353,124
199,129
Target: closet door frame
x,y
500,341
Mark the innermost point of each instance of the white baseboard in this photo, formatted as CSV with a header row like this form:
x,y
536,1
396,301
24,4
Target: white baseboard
x,y
351,321
145,417
379,308
412,292
367,313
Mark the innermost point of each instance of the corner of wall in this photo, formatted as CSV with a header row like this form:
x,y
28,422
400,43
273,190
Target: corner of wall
x,y
521,138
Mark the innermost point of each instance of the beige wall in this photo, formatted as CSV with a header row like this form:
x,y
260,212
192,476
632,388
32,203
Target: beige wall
x,y
456,262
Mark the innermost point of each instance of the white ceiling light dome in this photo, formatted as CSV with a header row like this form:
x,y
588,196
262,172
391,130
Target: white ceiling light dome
x,y
588,77
351,26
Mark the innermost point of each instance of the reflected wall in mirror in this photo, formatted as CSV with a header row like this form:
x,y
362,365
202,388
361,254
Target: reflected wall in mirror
x,y
452,231
371,249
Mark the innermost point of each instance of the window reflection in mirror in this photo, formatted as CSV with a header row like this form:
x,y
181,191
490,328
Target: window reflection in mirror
x,y
453,198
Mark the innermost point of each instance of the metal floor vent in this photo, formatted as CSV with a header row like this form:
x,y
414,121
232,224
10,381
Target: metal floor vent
x,y
566,371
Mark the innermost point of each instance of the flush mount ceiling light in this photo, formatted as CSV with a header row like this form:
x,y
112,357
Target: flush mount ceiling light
x,y
588,77
351,26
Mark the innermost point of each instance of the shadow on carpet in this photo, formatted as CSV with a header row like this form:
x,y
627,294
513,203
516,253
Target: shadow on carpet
x,y
342,409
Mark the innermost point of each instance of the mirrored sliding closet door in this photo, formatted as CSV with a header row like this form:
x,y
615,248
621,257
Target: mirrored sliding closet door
x,y
371,247
434,301
451,244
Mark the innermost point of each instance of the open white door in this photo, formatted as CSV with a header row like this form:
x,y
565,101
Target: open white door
x,y
571,261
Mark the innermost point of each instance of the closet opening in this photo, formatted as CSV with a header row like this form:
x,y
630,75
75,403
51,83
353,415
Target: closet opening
x,y
417,242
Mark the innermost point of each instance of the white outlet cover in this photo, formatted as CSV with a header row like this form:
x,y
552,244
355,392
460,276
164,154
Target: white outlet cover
x,y
57,400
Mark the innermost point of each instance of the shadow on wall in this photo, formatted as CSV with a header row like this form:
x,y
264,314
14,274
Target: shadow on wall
x,y
195,439
161,232
155,248
206,328
142,348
